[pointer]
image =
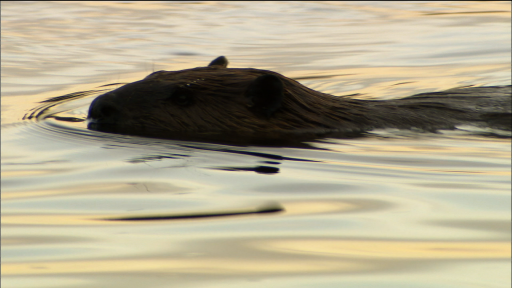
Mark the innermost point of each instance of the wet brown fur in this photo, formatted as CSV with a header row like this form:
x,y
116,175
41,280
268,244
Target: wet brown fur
x,y
303,108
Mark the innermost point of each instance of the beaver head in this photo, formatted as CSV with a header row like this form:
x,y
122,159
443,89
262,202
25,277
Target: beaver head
x,y
220,103
216,100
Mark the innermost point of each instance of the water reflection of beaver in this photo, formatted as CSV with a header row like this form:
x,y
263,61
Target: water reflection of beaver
x,y
216,100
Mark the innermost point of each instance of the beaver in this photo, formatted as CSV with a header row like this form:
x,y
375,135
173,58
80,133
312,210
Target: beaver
x,y
216,101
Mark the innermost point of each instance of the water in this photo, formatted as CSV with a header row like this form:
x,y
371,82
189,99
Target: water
x,y
393,209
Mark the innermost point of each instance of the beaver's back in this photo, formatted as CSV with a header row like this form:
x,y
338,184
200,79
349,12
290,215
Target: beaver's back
x,y
480,106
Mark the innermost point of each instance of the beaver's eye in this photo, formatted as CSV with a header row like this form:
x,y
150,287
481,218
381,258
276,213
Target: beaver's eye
x,y
182,97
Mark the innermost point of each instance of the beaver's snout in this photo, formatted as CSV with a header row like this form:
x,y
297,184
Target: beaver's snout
x,y
104,112
102,108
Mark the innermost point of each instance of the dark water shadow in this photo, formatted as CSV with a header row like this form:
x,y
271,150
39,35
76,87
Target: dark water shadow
x,y
267,208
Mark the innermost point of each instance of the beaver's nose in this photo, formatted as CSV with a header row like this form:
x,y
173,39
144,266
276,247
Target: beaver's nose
x,y
103,109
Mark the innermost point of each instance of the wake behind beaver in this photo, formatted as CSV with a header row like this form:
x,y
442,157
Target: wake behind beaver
x,y
216,102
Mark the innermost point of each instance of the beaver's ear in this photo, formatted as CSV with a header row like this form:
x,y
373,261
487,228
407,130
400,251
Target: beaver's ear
x,y
265,94
221,62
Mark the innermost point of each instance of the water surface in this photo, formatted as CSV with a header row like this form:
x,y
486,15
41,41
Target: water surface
x,y
393,209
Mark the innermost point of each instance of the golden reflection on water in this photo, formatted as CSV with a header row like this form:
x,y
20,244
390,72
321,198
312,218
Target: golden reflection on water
x,y
121,189
290,208
185,266
313,207
392,155
25,173
394,249
437,77
38,219
317,255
